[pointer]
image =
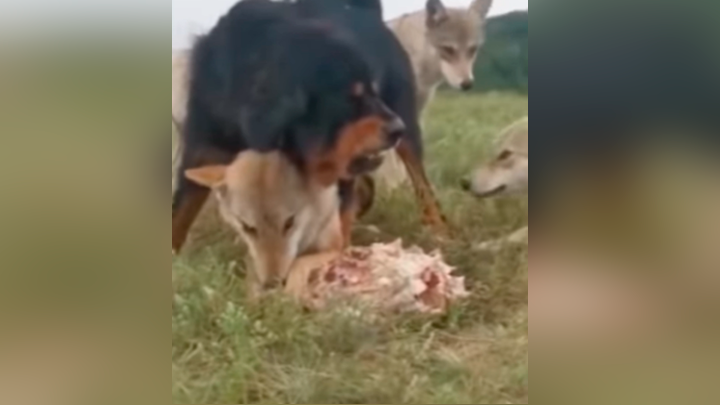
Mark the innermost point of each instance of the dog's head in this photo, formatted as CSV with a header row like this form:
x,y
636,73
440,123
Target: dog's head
x,y
508,172
457,35
277,211
319,102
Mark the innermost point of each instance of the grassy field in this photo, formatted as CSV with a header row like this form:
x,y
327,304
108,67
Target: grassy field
x,y
225,353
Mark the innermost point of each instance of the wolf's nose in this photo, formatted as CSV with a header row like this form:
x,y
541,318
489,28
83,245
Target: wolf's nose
x,y
466,184
467,85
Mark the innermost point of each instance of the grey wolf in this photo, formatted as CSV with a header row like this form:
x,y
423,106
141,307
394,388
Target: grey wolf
x,y
443,44
327,85
508,171
505,174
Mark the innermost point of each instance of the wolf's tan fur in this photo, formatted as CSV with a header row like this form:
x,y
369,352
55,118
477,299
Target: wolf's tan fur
x,y
506,174
425,33
508,171
279,213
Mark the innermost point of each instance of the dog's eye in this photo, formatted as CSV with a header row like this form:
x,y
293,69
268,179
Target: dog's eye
x,y
473,51
289,224
249,229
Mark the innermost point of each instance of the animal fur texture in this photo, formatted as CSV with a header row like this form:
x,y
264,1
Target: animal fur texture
x,y
443,44
506,174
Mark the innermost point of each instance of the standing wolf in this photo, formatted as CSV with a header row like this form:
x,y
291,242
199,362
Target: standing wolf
x,y
443,44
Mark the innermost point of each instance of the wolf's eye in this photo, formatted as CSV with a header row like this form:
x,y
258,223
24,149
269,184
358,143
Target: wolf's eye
x,y
448,51
473,51
249,229
505,155
289,224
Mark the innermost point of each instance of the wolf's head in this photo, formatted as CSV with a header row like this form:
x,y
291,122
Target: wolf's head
x,y
457,36
278,212
508,171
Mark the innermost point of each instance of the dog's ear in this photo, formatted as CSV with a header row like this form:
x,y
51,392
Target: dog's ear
x,y
265,120
436,13
208,176
481,7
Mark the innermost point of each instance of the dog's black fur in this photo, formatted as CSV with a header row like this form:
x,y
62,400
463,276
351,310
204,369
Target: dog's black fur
x,y
264,79
278,76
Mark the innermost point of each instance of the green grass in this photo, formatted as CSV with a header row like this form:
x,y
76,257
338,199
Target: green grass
x,y
226,353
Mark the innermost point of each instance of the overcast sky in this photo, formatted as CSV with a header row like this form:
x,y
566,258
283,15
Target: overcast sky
x,y
191,17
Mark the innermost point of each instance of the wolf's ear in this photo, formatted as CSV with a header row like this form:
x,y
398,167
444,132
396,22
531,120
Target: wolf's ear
x,y
481,7
265,120
208,176
436,13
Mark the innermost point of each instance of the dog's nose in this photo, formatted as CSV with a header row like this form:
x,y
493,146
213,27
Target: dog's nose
x,y
466,184
394,130
467,85
395,127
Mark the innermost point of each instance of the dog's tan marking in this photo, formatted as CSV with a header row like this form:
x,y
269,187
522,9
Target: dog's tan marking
x,y
355,140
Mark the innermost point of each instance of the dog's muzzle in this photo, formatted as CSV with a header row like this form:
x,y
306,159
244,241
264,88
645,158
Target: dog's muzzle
x,y
394,130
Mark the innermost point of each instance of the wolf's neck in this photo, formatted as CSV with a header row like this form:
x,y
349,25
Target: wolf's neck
x,y
434,67
412,33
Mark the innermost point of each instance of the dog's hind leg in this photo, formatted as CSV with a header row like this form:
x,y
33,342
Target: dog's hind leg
x,y
187,204
189,198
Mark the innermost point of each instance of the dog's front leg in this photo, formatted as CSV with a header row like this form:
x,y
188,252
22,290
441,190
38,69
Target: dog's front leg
x,y
349,207
189,198
432,214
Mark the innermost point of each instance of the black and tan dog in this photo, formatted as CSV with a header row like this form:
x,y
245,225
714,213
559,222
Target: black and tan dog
x,y
323,82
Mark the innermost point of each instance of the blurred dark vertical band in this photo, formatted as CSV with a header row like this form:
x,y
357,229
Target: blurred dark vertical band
x,y
605,72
